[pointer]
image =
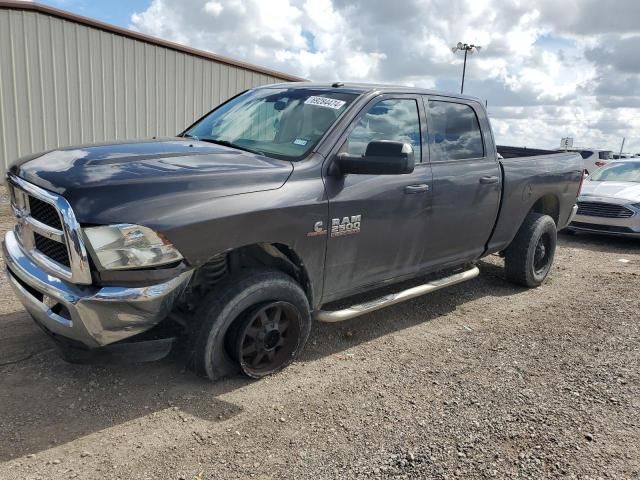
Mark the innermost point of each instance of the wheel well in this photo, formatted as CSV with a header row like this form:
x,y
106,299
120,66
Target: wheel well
x,y
276,256
273,255
548,205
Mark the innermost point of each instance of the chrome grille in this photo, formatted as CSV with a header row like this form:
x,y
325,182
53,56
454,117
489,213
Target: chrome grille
x,y
602,209
54,250
47,229
44,212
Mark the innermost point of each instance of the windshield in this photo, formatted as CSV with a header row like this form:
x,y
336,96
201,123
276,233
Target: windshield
x,y
282,122
618,172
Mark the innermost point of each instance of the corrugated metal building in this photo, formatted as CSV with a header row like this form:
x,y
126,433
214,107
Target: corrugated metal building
x,y
67,80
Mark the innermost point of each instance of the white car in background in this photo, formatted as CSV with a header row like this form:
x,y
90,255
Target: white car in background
x,y
609,201
593,158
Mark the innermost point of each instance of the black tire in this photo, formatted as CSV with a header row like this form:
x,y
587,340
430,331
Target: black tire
x,y
528,259
223,321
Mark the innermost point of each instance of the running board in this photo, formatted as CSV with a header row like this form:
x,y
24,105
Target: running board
x,y
393,298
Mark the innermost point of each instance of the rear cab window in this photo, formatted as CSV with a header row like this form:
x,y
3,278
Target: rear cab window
x,y
454,131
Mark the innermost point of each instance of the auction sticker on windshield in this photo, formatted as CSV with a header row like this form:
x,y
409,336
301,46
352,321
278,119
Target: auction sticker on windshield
x,y
325,102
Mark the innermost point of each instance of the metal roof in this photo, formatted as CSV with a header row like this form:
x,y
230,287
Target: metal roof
x,y
56,12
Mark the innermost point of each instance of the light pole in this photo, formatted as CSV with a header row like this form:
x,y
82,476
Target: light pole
x,y
467,49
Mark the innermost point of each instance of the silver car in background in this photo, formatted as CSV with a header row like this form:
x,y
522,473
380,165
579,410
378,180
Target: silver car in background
x,y
609,201
593,159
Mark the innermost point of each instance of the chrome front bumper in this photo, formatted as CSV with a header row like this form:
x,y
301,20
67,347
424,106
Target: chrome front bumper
x,y
92,316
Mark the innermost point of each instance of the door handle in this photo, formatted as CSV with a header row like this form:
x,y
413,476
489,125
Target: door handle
x,y
423,187
489,179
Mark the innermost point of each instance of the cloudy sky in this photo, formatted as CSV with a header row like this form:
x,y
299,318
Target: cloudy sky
x,y
547,69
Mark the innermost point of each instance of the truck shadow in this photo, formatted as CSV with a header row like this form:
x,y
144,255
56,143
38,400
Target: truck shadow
x,y
327,339
45,402
599,243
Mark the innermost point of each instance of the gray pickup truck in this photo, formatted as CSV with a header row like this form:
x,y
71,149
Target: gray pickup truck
x,y
286,204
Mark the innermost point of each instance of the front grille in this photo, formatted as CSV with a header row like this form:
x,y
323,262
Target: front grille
x,y
44,212
56,251
602,228
45,221
601,209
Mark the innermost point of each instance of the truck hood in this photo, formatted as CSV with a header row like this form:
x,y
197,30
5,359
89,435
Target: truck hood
x,y
109,182
620,190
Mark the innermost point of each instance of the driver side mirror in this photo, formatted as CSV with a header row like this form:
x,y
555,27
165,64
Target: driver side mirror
x,y
382,157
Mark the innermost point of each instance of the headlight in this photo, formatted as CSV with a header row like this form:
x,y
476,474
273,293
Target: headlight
x,y
124,246
636,205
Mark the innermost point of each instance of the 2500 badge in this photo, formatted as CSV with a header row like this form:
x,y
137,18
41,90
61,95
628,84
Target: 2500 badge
x,y
346,226
339,227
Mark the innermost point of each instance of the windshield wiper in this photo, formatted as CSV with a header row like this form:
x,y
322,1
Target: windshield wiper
x,y
188,135
227,143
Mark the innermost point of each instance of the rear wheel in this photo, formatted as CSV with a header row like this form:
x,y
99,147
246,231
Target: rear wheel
x,y
256,322
529,258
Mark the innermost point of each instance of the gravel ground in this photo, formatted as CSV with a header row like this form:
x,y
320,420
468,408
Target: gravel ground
x,y
481,380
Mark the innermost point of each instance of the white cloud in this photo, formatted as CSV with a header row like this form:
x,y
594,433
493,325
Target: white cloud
x,y
214,8
546,72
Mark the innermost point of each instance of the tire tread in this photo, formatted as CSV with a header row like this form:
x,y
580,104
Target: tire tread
x,y
519,254
207,315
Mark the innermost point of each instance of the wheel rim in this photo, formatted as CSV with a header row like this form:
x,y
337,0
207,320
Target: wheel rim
x,y
542,254
268,338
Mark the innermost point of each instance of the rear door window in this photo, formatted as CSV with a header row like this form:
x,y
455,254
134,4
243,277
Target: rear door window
x,y
454,132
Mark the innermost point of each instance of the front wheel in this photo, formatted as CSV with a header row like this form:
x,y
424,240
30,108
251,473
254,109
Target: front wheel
x,y
256,321
529,258
267,339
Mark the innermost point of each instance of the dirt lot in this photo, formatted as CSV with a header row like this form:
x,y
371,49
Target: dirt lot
x,y
478,381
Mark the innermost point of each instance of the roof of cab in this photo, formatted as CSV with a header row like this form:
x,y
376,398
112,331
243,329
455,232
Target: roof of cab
x,y
361,88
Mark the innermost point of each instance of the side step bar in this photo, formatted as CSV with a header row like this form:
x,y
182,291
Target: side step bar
x,y
393,298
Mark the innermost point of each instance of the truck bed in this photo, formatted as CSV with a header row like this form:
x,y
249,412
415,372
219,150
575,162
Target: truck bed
x,y
513,152
530,176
